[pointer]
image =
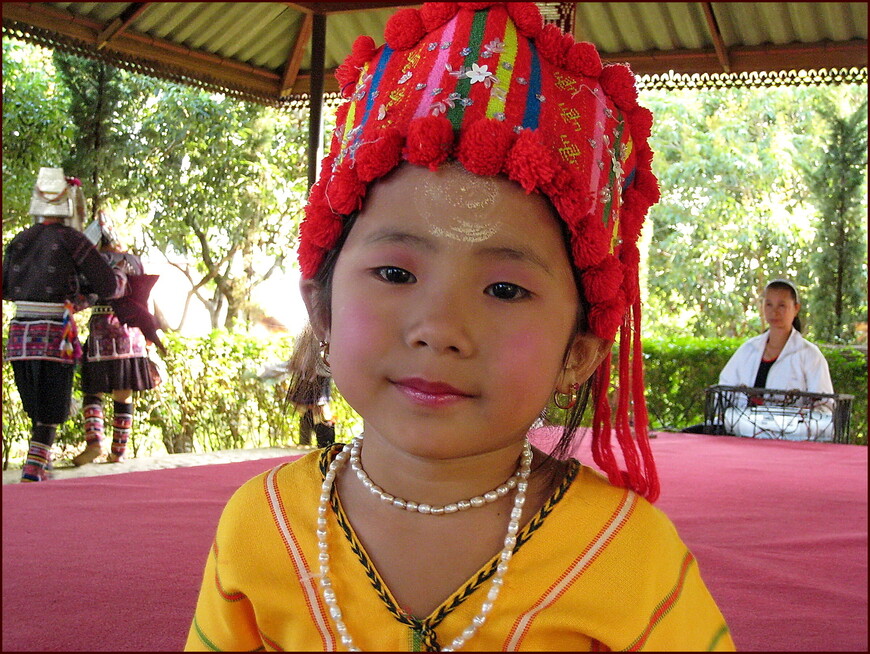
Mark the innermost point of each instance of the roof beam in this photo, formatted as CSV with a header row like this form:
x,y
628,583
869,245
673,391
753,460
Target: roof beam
x,y
744,59
121,23
716,35
199,65
340,7
294,61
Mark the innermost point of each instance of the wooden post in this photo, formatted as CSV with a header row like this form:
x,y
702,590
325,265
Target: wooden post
x,y
315,107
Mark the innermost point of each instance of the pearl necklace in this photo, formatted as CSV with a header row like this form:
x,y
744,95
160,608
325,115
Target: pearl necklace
x,y
507,551
428,509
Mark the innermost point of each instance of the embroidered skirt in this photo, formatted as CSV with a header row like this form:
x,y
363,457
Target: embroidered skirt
x,y
115,356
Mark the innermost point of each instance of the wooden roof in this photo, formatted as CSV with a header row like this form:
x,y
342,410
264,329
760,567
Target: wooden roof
x,y
263,50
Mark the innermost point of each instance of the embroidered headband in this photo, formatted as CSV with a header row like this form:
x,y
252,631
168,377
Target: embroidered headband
x,y
487,84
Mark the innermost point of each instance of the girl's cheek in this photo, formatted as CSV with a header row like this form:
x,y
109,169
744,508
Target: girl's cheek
x,y
356,324
525,349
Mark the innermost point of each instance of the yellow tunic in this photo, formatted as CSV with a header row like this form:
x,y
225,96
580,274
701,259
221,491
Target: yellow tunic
x,y
598,568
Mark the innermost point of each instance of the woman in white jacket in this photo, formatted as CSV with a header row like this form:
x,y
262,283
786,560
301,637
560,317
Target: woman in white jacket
x,y
781,359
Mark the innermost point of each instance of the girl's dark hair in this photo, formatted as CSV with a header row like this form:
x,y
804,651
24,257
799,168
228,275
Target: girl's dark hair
x,y
785,285
571,418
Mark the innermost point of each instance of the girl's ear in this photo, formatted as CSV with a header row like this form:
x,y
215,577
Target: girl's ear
x,y
318,311
585,355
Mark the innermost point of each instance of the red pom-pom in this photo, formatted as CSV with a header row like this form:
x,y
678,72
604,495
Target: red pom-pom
x,y
429,142
590,242
631,217
605,318
602,282
404,29
584,59
363,49
641,124
553,45
484,146
435,14
477,6
618,82
530,162
321,226
310,257
527,17
647,185
563,182
347,75
381,152
344,191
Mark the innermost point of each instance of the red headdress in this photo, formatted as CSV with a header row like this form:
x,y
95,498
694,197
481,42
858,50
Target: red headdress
x,y
487,84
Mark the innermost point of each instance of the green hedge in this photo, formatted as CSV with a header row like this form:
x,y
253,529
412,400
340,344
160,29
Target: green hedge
x,y
211,399
679,369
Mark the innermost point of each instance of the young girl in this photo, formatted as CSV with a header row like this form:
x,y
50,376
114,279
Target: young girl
x,y
469,253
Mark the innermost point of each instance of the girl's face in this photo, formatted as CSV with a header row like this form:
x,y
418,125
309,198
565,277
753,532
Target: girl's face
x,y
780,308
453,305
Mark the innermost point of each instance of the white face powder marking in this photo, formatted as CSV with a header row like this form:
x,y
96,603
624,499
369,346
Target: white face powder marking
x,y
476,195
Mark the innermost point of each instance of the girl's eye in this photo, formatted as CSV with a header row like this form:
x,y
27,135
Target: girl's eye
x,y
395,275
507,291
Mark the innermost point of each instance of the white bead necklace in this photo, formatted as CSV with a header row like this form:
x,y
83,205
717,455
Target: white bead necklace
x,y
428,509
507,551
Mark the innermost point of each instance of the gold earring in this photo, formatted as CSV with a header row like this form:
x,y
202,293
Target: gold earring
x,y
572,397
324,369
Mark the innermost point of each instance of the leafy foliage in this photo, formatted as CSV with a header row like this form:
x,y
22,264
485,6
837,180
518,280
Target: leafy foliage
x,y
224,184
732,214
679,369
210,399
835,177
36,128
100,97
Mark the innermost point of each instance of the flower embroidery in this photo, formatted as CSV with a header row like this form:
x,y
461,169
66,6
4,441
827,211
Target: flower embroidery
x,y
459,72
499,92
465,51
466,102
540,97
432,46
404,78
420,86
499,116
444,105
522,81
445,46
382,112
437,91
481,74
494,46
507,65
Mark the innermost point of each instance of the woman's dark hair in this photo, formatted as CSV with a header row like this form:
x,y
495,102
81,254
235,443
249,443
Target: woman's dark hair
x,y
785,285
571,417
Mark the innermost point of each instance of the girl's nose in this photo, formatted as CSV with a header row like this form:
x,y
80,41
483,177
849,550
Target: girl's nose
x,y
441,323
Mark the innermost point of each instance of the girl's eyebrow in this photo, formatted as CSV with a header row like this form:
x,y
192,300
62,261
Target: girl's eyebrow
x,y
389,235
512,253
519,253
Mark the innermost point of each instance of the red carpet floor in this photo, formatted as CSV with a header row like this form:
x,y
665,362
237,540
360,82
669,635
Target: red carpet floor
x,y
114,563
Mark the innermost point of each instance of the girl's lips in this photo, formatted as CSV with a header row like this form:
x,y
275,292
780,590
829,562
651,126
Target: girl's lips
x,y
429,393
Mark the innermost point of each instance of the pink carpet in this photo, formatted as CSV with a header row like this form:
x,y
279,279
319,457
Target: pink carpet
x,y
114,563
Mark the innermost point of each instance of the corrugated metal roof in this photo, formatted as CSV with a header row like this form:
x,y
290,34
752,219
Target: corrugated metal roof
x,y
249,45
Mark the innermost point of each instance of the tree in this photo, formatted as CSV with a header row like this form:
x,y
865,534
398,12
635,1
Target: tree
x,y
36,130
221,184
100,97
732,214
835,180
